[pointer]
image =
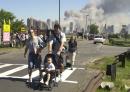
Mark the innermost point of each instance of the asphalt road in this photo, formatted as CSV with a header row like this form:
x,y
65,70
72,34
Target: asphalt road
x,y
13,69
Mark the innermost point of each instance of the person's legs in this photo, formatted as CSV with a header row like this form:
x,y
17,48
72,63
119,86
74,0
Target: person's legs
x,y
73,57
42,77
48,78
30,65
70,58
30,73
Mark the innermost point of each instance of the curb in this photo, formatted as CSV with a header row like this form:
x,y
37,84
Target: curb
x,y
94,83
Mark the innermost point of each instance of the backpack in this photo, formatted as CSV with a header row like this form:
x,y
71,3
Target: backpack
x,y
56,43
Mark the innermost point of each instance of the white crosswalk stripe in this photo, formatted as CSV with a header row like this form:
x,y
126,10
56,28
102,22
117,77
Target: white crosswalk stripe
x,y
35,73
13,70
5,65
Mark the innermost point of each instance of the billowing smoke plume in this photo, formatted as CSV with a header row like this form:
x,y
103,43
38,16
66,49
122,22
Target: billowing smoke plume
x,y
101,12
114,12
115,6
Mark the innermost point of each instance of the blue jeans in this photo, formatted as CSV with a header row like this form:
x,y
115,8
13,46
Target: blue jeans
x,y
34,61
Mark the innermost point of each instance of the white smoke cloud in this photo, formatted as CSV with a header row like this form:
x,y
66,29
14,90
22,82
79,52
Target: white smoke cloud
x,y
115,6
110,12
101,12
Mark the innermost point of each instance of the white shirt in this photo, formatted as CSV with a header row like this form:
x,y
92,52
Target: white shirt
x,y
63,38
50,67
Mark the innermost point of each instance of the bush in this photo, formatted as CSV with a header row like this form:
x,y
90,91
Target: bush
x,y
113,36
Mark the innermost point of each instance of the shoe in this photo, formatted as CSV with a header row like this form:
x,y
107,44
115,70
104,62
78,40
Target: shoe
x,y
29,80
46,83
41,81
71,68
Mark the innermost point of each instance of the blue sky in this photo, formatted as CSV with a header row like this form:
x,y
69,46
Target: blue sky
x,y
40,9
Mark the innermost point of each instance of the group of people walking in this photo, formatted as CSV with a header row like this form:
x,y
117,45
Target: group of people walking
x,y
55,41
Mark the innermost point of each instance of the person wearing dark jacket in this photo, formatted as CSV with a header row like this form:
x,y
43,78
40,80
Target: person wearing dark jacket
x,y
72,47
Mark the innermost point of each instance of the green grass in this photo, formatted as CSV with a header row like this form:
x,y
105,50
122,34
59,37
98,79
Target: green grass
x,y
119,42
122,76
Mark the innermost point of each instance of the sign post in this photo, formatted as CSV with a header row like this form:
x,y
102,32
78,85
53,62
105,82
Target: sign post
x,y
0,36
6,32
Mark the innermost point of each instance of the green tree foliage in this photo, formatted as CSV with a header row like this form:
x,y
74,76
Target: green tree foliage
x,y
15,23
5,15
94,29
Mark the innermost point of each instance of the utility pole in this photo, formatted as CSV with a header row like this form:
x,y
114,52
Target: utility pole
x,y
86,23
59,12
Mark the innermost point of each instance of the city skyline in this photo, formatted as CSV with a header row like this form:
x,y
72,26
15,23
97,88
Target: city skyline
x,y
42,10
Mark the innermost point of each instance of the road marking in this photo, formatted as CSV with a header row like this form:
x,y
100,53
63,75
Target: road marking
x,y
13,70
34,74
14,64
5,65
75,82
81,68
66,73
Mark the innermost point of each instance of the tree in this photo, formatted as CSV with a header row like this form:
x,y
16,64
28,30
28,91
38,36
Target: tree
x,y
16,25
5,15
124,32
94,29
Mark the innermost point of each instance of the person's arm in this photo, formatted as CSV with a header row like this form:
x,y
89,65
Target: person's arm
x,y
26,50
63,40
50,46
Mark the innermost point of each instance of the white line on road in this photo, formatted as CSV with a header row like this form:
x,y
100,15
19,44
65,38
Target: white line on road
x,y
67,73
15,64
13,70
75,82
63,78
5,65
34,74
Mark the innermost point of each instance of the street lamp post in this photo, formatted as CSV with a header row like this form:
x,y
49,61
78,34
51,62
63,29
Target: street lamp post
x,y
59,11
87,21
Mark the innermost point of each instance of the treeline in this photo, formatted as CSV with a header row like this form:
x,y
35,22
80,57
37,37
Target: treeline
x,y
16,24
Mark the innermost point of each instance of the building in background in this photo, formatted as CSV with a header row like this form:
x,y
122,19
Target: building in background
x,y
36,24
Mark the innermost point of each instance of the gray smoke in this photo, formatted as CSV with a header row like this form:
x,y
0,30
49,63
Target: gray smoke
x,y
101,12
111,6
115,6
114,12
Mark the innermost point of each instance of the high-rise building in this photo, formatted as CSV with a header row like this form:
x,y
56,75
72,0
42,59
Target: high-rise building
x,y
36,24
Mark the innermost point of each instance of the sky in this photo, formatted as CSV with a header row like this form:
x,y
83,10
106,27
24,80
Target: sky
x,y
40,9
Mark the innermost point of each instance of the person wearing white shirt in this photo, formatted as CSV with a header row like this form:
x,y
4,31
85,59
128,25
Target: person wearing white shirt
x,y
56,44
49,69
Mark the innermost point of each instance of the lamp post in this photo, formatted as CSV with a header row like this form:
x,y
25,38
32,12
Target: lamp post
x,y
86,22
59,11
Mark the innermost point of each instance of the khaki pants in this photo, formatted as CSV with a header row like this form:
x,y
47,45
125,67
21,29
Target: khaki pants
x,y
72,56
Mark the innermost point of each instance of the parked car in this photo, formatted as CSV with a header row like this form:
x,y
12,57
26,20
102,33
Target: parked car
x,y
98,39
91,37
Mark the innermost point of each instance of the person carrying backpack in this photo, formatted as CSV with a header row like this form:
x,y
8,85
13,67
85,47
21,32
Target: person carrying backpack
x,y
72,47
55,46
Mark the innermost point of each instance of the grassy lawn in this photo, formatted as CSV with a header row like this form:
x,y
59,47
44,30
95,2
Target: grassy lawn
x,y
119,42
122,75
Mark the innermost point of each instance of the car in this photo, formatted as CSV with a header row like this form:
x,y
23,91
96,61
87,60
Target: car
x,y
98,39
91,37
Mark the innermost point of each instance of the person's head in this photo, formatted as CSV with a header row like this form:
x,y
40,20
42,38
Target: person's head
x,y
57,28
49,60
72,37
32,33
